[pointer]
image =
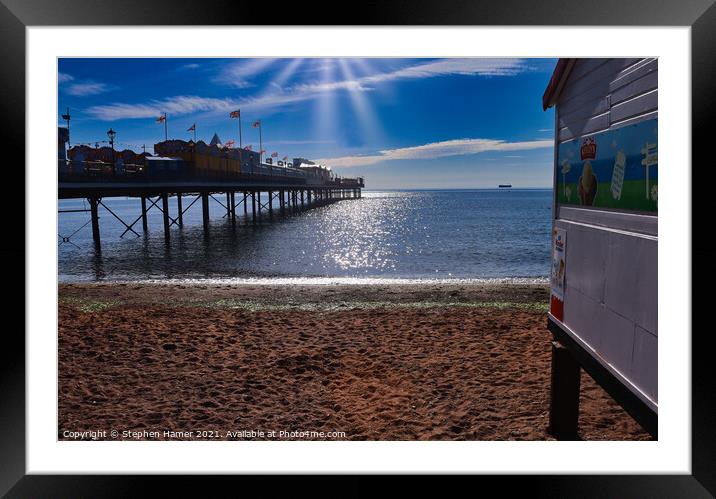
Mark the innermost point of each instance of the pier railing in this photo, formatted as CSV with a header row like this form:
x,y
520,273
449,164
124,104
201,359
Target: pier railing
x,y
104,172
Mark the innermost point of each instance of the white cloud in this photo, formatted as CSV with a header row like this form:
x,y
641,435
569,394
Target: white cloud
x,y
238,74
87,88
64,77
443,67
187,104
179,105
457,147
301,142
190,66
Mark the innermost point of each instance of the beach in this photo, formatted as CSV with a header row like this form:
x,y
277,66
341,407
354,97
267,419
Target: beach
x,y
428,361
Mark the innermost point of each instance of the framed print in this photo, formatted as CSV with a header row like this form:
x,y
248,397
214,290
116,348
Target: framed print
x,y
428,242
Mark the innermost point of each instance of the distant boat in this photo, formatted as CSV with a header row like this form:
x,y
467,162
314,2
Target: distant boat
x,y
504,186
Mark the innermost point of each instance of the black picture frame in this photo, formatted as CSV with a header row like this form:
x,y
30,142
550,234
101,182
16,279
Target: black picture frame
x,y
16,15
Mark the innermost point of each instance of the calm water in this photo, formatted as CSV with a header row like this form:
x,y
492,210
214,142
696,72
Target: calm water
x,y
478,234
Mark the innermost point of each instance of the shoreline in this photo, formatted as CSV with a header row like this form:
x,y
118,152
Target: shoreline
x,y
315,281
361,295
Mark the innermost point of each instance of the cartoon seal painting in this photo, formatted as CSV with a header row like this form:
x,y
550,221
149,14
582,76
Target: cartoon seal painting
x,y
587,187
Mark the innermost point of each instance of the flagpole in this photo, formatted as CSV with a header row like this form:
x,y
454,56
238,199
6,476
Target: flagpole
x,y
241,145
68,127
261,146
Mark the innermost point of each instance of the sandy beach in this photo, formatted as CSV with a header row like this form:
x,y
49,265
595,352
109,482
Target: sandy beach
x,y
385,362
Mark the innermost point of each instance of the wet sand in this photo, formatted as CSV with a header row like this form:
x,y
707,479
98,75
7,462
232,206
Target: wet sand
x,y
389,362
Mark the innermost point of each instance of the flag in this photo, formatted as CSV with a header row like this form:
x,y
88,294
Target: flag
x,y
262,151
229,143
192,128
248,147
257,124
285,158
162,118
274,155
235,114
66,117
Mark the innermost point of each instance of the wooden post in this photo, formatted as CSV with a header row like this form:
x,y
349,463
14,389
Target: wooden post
x,y
94,203
205,210
144,213
180,211
253,205
165,210
564,394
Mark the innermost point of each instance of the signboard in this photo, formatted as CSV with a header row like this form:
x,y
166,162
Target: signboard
x,y
559,268
616,169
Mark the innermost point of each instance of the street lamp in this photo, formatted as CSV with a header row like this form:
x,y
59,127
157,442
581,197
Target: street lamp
x,y
112,134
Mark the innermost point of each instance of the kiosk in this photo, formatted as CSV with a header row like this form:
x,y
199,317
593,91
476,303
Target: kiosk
x,y
604,294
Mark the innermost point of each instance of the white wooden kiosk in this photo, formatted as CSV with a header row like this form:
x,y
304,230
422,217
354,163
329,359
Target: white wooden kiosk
x,y
603,309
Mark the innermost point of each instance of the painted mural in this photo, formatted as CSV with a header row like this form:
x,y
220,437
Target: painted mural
x,y
616,169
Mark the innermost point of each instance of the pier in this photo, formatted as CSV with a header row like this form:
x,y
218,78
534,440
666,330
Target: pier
x,y
261,191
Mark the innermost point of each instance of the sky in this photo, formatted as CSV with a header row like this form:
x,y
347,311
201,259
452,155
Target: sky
x,y
399,123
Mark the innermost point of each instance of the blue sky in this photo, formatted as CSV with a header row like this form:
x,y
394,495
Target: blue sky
x,y
400,123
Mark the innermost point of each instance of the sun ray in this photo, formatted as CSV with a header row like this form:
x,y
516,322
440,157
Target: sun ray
x,y
285,74
362,66
370,125
325,108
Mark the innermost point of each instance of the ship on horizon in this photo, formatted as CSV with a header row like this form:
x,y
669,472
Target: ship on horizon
x,y
504,186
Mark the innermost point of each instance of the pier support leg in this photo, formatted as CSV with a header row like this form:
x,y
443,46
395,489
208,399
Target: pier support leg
x,y
246,209
282,201
228,204
205,210
165,213
144,213
302,207
270,196
258,202
564,394
253,206
94,204
180,211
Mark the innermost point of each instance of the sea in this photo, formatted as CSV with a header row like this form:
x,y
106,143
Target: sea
x,y
385,236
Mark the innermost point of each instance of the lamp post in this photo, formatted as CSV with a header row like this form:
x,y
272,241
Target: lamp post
x,y
112,134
